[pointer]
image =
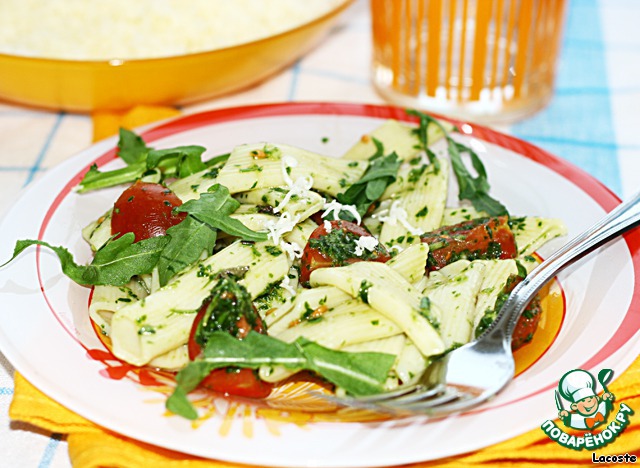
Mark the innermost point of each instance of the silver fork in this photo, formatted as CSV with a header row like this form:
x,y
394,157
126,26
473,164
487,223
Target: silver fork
x,y
475,372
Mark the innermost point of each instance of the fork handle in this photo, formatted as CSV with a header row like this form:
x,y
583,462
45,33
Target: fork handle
x,y
622,218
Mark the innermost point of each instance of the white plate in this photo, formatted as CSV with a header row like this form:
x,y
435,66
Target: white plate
x,y
45,331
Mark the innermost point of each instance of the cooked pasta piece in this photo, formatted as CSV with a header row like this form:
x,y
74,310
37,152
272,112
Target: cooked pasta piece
x,y
532,232
410,364
192,186
394,136
306,299
496,275
348,323
453,290
460,214
98,232
258,166
301,204
386,291
162,321
107,299
417,208
410,263
174,359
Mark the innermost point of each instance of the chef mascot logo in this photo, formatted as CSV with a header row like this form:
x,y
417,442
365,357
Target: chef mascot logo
x,y
581,407
588,410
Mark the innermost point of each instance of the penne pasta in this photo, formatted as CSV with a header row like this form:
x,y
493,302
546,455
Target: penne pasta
x,y
327,256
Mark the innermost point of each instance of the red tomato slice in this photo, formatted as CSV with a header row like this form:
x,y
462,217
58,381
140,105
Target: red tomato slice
x,y
230,381
528,322
242,324
146,210
338,249
488,238
239,382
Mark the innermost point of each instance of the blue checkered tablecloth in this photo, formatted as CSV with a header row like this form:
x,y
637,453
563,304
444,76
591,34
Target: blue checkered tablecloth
x,y
593,121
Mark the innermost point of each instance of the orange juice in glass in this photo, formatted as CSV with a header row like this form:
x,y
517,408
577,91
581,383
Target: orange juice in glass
x,y
484,60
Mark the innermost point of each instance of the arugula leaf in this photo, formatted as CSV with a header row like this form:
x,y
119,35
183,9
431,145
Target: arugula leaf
x,y
180,161
188,240
214,207
131,147
115,263
143,160
423,135
379,149
357,373
198,231
178,403
474,189
95,179
382,172
221,158
361,373
121,259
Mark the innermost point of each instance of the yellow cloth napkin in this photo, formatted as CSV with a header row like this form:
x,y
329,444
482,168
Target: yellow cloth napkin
x,y
91,446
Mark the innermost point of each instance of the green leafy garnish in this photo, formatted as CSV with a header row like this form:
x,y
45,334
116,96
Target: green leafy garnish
x,y
421,132
114,264
340,245
95,179
214,207
143,161
188,240
357,373
473,189
179,162
197,233
381,173
228,303
120,259
132,149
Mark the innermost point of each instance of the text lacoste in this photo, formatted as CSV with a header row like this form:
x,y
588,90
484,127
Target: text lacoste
x,y
588,440
626,458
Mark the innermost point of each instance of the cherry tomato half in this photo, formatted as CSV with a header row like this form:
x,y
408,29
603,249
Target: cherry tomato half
x,y
483,238
528,322
336,247
146,210
231,380
242,326
236,381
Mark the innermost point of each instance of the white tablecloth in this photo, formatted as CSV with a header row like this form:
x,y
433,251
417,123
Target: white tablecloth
x,y
592,121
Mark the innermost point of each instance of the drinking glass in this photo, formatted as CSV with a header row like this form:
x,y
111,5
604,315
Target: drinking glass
x,y
491,61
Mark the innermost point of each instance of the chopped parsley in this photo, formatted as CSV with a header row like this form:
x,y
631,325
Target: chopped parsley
x,y
339,245
363,292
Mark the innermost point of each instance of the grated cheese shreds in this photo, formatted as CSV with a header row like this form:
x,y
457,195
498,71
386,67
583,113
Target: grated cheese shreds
x,y
397,214
334,208
125,29
365,243
298,188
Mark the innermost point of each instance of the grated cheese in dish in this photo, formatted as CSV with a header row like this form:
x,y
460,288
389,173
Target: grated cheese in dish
x,y
125,29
